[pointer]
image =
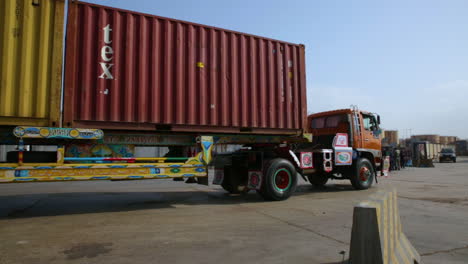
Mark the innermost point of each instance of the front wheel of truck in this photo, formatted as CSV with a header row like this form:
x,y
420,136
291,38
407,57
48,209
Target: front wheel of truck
x,y
362,174
279,180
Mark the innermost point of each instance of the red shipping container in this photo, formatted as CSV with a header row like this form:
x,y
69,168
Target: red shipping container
x,y
133,71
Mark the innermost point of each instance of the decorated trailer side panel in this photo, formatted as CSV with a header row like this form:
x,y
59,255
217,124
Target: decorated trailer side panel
x,y
62,168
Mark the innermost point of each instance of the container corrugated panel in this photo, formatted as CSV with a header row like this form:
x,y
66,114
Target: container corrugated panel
x,y
126,70
31,46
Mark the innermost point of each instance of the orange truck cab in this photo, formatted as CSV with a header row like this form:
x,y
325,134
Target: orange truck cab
x,y
346,145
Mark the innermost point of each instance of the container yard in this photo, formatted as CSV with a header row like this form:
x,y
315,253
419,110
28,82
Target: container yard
x,y
130,137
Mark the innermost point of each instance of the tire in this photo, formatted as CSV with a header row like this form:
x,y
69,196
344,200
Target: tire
x,y
232,180
318,180
454,160
279,180
363,174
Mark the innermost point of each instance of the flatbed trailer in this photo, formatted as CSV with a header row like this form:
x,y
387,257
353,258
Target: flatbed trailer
x,y
192,166
99,168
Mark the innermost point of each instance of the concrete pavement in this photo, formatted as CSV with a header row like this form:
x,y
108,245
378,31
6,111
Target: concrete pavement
x,y
161,221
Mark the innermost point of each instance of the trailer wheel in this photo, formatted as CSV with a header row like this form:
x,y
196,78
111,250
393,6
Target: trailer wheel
x,y
362,174
318,180
232,181
279,181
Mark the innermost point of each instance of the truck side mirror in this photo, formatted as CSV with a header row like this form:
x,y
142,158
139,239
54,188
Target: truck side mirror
x,y
378,119
377,132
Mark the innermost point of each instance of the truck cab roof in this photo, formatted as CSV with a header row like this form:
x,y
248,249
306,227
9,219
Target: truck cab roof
x,y
335,112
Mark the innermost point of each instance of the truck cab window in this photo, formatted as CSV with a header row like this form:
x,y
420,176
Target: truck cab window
x,y
333,121
369,123
318,123
328,121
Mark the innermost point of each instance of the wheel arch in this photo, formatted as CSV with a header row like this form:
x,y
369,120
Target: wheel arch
x,y
368,155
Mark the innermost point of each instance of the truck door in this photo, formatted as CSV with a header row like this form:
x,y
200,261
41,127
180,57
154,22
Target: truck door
x,y
370,128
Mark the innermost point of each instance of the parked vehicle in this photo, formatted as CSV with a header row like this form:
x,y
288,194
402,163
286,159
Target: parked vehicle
x,y
447,154
134,80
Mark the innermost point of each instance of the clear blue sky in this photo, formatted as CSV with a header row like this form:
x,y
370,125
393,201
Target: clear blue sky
x,y
406,60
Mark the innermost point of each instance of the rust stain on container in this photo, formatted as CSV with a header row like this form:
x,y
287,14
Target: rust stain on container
x,y
127,70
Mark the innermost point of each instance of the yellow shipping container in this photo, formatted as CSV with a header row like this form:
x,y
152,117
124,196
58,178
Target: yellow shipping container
x,y
31,45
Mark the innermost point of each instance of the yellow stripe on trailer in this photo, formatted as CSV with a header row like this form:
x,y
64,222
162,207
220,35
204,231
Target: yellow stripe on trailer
x,y
111,171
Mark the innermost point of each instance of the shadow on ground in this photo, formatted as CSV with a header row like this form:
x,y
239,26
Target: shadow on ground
x,y
53,204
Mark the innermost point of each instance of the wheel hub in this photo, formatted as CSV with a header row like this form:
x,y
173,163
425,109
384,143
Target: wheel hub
x,y
364,174
282,180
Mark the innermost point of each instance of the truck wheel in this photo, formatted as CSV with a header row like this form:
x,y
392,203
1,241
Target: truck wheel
x,y
279,181
363,174
232,180
317,180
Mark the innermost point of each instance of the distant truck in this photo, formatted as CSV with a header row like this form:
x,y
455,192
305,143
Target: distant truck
x,y
134,80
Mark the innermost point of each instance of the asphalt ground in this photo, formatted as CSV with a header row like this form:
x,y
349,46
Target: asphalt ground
x,y
161,221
